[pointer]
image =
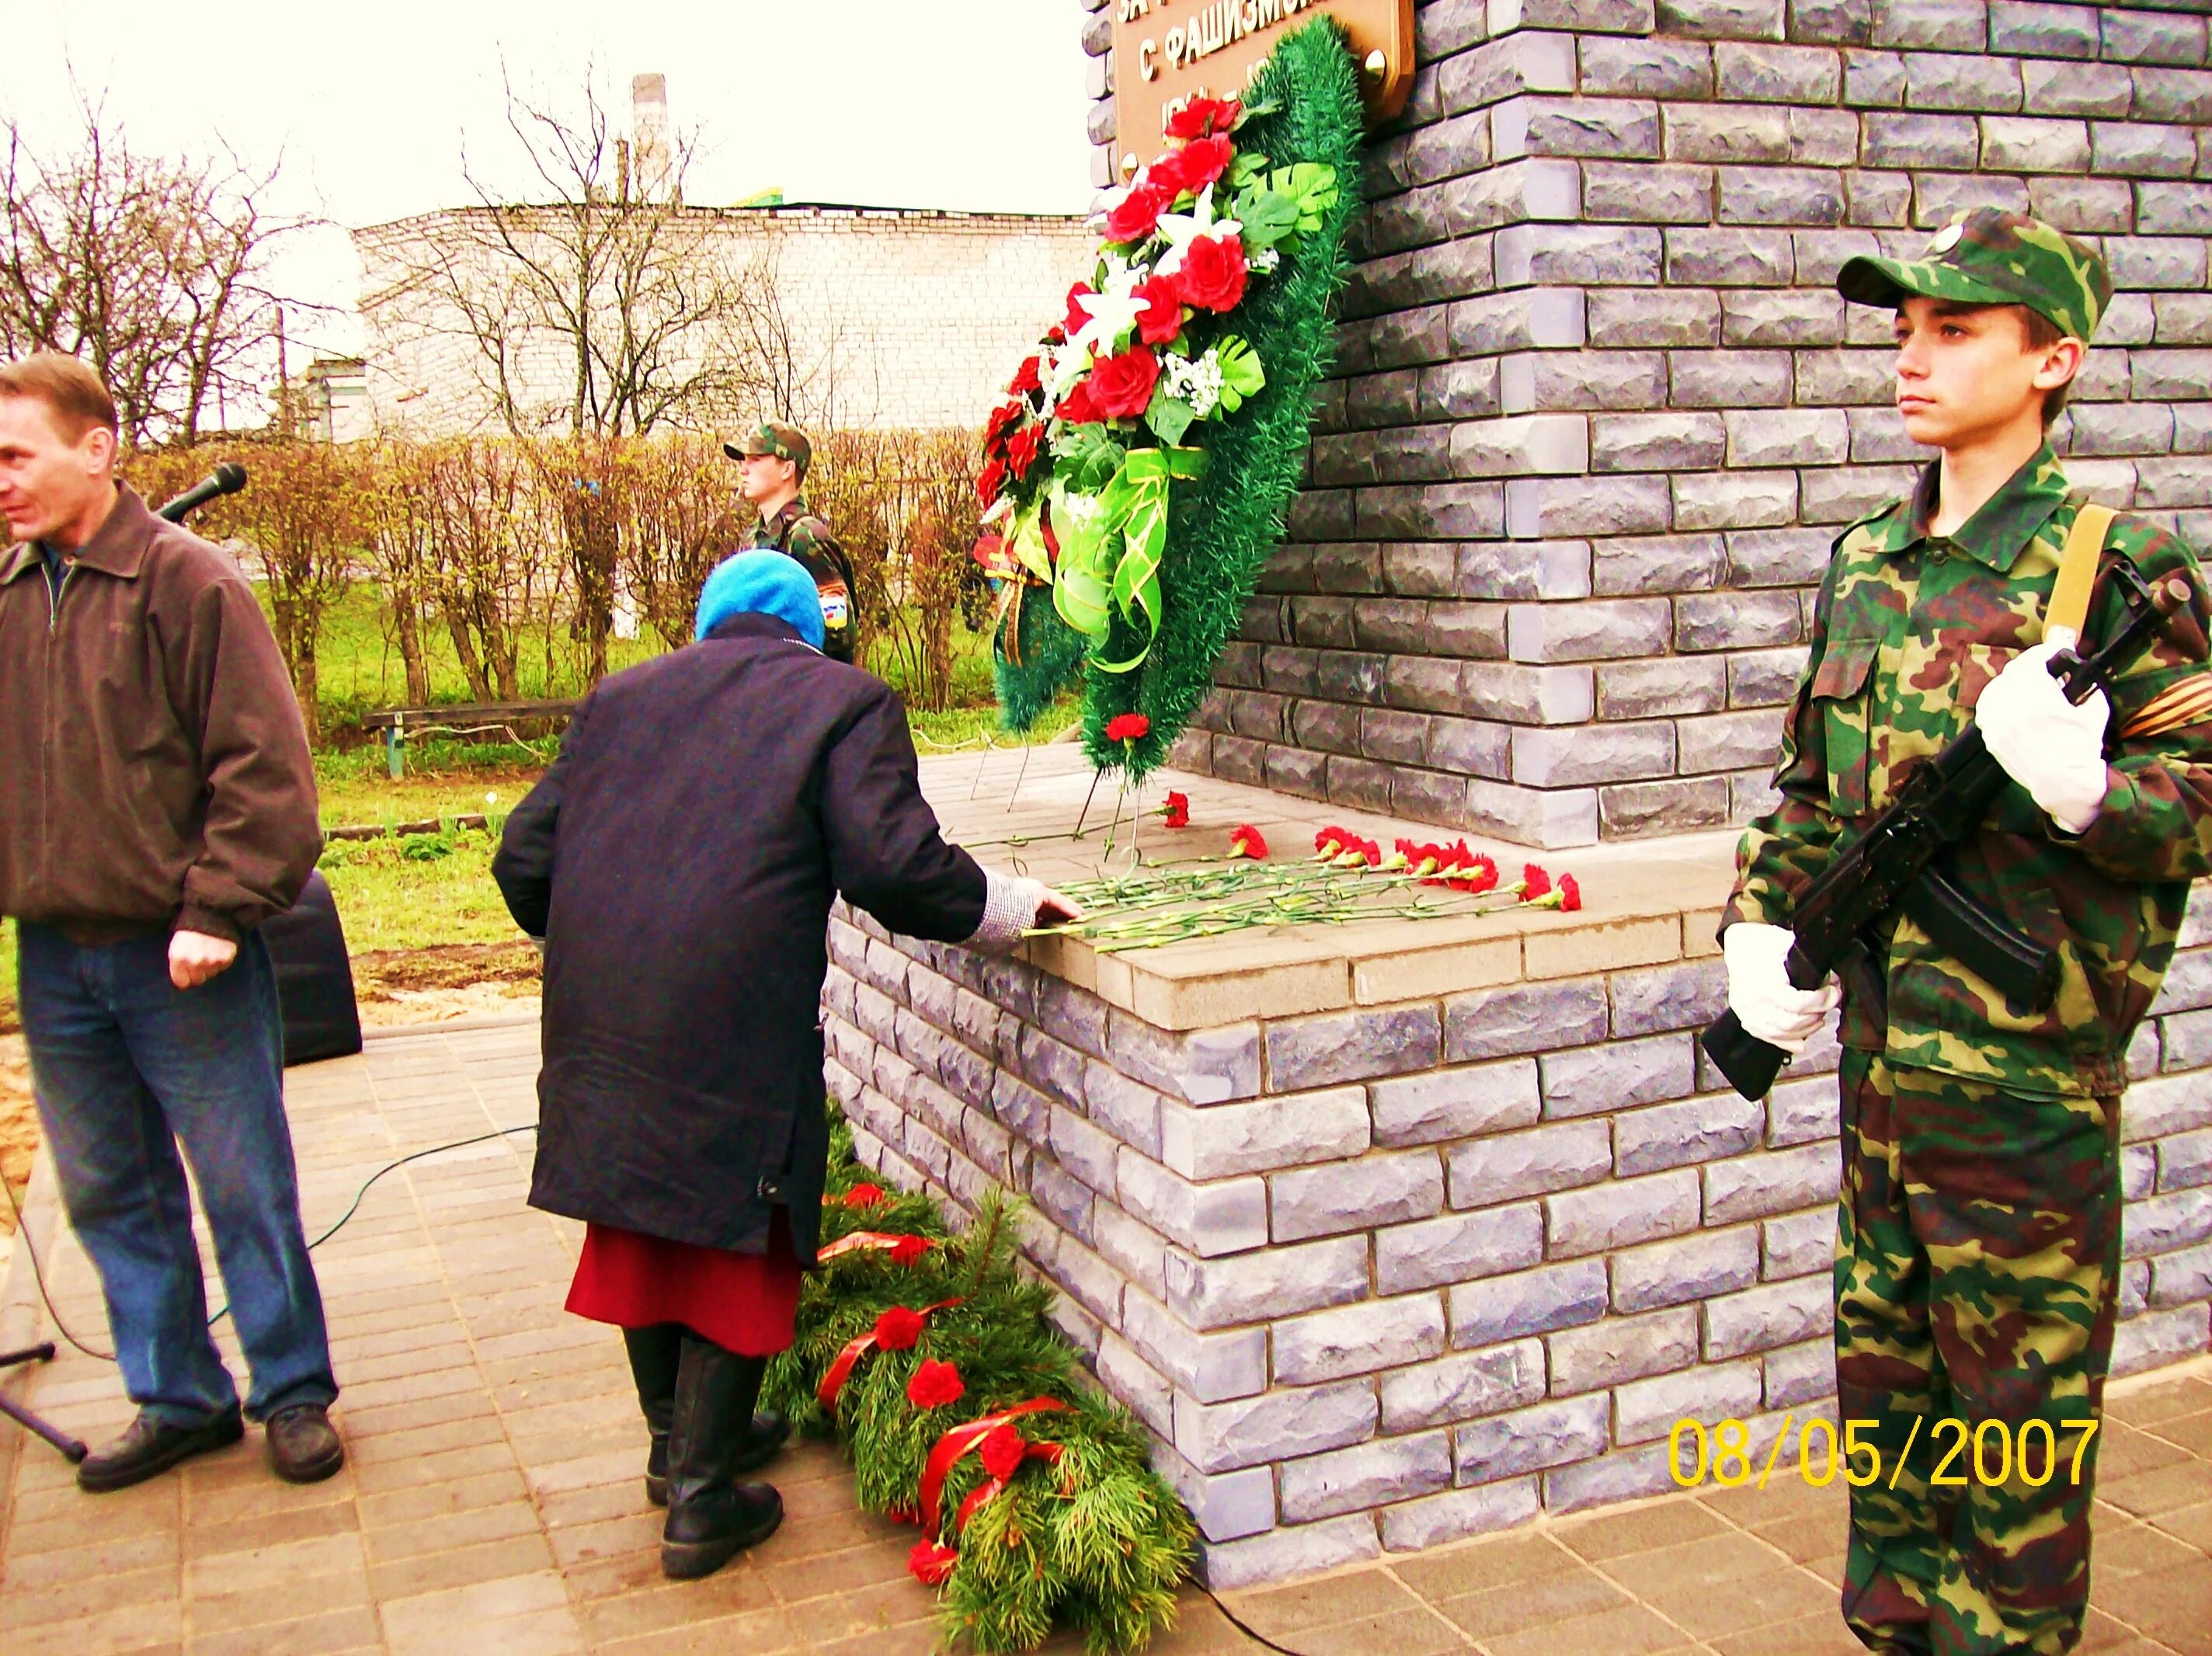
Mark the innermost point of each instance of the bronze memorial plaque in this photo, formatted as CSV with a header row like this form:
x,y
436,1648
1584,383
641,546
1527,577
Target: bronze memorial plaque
x,y
1166,51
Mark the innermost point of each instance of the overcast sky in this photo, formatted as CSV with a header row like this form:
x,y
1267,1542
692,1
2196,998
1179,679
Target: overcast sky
x,y
908,103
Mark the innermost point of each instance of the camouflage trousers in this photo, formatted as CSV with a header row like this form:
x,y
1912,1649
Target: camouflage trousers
x,y
1977,1277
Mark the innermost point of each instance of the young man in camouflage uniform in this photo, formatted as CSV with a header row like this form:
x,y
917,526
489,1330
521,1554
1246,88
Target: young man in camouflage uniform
x,y
1979,1255
773,458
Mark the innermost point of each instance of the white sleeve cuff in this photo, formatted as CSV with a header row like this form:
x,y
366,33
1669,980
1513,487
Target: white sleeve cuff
x,y
1010,906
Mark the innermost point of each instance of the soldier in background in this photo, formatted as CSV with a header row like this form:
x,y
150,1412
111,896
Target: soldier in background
x,y
773,458
1978,1274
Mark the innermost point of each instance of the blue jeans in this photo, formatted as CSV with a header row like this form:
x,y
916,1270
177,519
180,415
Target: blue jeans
x,y
126,1068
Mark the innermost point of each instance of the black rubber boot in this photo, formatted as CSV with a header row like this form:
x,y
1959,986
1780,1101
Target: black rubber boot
x,y
712,1517
654,1353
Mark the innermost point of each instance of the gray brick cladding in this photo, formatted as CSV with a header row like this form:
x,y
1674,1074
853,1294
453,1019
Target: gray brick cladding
x,y
1454,1282
1599,412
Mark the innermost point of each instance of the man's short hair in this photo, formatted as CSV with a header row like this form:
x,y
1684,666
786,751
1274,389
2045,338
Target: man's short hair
x,y
2041,333
71,392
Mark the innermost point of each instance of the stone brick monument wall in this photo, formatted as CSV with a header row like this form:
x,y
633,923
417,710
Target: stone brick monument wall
x,y
1393,1239
1600,413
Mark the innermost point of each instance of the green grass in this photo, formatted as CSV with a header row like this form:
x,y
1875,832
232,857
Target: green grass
x,y
423,892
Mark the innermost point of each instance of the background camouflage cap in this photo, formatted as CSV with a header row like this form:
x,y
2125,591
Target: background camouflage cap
x,y
777,437
1992,257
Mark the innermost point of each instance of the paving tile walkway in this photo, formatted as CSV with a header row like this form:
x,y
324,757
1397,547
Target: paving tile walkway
x,y
493,1501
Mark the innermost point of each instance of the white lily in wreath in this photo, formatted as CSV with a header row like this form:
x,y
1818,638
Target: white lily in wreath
x,y
1181,229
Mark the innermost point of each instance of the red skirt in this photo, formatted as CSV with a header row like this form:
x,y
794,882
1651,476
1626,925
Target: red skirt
x,y
744,1302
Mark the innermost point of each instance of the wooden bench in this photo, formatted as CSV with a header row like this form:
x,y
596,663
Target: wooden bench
x,y
465,718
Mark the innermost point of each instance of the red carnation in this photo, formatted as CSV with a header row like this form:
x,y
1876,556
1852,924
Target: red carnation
x,y
1248,841
1212,275
1026,378
1137,214
934,1385
991,482
1078,407
1479,874
1161,318
1535,882
930,1564
1127,726
1571,894
864,1195
1203,117
1201,161
1121,386
1002,1450
1177,810
1077,318
909,1249
898,1328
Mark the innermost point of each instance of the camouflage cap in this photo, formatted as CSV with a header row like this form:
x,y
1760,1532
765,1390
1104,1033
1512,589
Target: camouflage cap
x,y
778,437
1992,257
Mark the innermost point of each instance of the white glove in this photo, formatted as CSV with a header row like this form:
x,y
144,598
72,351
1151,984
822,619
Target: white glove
x,y
1765,1002
2050,747
1012,905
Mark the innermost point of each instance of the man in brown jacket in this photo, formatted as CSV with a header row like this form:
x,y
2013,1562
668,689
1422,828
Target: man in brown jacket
x,y
159,805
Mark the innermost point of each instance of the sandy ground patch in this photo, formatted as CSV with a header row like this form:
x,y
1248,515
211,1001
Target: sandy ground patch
x,y
19,1123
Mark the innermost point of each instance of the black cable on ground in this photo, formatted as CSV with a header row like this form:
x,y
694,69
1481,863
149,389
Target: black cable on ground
x,y
23,1236
38,1277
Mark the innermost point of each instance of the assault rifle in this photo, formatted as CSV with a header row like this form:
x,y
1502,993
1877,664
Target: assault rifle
x,y
227,479
1893,863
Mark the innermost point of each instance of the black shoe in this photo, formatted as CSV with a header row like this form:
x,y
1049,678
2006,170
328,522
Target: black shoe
x,y
769,1432
712,1517
303,1445
151,1446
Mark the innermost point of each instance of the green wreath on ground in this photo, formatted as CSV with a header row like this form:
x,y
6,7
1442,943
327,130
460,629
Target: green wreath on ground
x,y
928,1352
1138,477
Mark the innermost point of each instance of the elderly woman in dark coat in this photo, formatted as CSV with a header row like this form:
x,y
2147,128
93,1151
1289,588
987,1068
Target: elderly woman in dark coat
x,y
679,859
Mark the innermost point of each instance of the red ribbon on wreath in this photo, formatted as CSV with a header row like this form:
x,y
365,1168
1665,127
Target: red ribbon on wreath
x,y
904,1250
896,1329
963,1438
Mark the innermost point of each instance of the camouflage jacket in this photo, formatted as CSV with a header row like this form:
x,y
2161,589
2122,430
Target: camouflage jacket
x,y
798,534
1907,631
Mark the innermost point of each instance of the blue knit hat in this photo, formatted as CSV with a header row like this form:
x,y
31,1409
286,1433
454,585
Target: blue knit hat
x,y
761,583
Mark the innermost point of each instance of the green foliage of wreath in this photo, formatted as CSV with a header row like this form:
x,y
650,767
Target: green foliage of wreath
x,y
1306,109
1094,1541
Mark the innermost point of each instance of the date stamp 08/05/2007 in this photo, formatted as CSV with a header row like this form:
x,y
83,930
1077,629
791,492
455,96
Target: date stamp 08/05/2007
x,y
1991,1453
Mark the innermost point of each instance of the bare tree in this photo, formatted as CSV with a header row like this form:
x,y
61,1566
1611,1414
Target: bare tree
x,y
155,271
608,287
304,516
397,518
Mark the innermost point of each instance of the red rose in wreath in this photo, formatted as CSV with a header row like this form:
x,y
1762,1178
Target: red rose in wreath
x,y
1196,165
1213,273
898,1329
909,1250
1128,727
1121,386
934,1385
1203,117
1161,320
1137,214
1021,452
1026,378
992,482
1004,418
864,1195
1077,318
1078,407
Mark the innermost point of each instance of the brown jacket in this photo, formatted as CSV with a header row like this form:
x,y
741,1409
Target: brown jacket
x,y
155,769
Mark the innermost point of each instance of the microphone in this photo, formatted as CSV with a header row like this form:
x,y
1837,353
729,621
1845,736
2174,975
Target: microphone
x,y
228,479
